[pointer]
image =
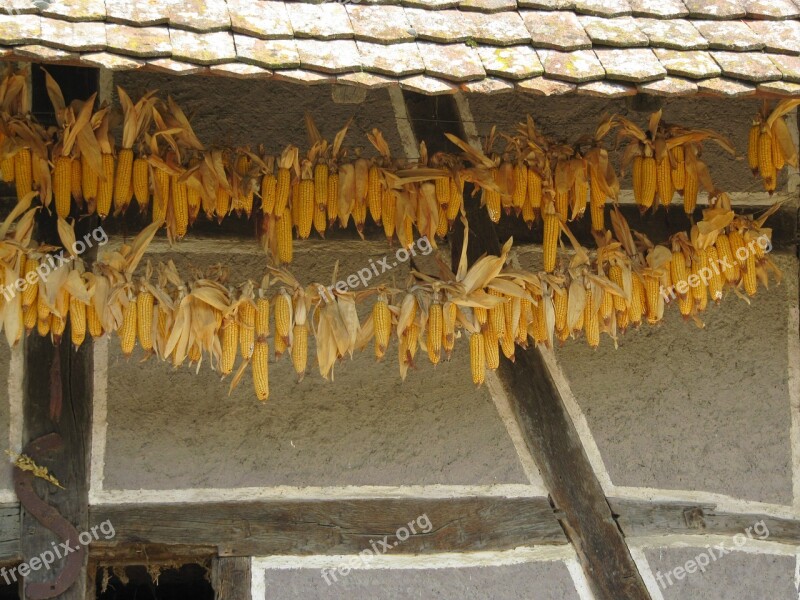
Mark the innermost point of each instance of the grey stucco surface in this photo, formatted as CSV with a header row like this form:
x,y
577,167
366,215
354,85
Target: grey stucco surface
x,y
532,581
174,429
6,482
681,408
733,576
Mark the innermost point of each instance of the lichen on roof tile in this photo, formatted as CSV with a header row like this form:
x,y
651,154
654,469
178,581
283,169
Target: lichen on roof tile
x,y
621,32
264,18
746,65
720,86
558,30
240,71
446,26
303,76
432,4
488,6
18,7
141,12
44,53
789,66
320,21
664,9
729,35
20,29
202,48
272,54
577,66
367,80
382,24
512,62
784,88
488,86
138,41
715,9
75,10
425,84
112,62
500,29
693,64
771,9
547,4
200,15
633,64
174,67
606,89
455,62
542,86
85,37
778,36
396,59
672,33
669,86
329,56
603,8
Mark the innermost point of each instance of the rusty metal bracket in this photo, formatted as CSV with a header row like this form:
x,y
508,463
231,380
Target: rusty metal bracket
x,y
50,518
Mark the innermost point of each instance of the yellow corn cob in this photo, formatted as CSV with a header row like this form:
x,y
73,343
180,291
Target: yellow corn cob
x,y
739,252
434,333
449,313
752,147
23,176
382,322
300,348
653,298
477,358
597,203
520,185
321,185
7,175
388,210
606,308
700,291
62,185
144,319
374,193
31,291
269,186
320,220
280,347
728,260
638,179
560,306
333,197
442,190
690,190
591,323
122,183
305,208
194,202
635,309
57,327
581,191
195,354
180,205
89,180
262,319
93,321
481,315
127,331
534,189
552,232
766,165
622,320
539,323
141,183
260,367
42,309
615,275
161,181
246,316
283,187
664,182
777,156
77,321
528,213
43,326
29,318
491,199
490,347
456,200
105,188
562,205
749,270
76,189
680,274
716,281
229,337
678,167
525,319
223,204
283,317
284,235
648,181
507,345
442,226
496,314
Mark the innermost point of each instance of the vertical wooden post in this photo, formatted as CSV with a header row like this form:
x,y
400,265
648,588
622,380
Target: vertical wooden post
x,y
231,578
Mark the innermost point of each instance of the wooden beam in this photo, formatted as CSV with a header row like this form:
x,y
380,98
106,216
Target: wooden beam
x,y
231,578
338,527
576,493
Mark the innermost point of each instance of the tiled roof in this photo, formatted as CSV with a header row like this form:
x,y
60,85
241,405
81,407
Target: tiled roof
x,y
597,47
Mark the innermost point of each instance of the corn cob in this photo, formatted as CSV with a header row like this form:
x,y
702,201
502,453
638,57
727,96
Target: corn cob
x,y
283,187
284,235
42,309
194,202
525,319
638,180
434,333
229,336
31,291
127,331
89,180
374,193
726,257
562,205
528,213
456,199
320,220
161,181
664,182
752,147
615,275
552,232
539,322
680,274
749,271
29,318
442,226
223,203
481,315
700,291
195,353
105,187
246,316
477,358
777,156
449,314
648,181
57,326
491,199
62,185
678,167
534,189
260,367
716,281
560,306
305,215
77,321
635,308
388,210
23,176
333,197
597,203
411,340
581,191
43,326
382,322
262,319
490,347
591,323
300,348
520,186
7,172
766,165
269,185
690,190
122,183
443,190
180,205
141,183
144,319
496,314
283,317
93,321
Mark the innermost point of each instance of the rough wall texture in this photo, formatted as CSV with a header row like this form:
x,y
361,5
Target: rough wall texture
x,y
542,581
5,362
366,428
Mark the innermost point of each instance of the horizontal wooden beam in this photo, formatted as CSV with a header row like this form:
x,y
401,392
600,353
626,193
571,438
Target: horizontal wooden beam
x,y
338,527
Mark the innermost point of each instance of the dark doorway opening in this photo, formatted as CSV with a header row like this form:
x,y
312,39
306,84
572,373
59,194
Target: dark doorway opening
x,y
189,582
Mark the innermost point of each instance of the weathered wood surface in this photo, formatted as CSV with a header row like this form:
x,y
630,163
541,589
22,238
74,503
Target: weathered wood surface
x,y
338,527
9,533
231,578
